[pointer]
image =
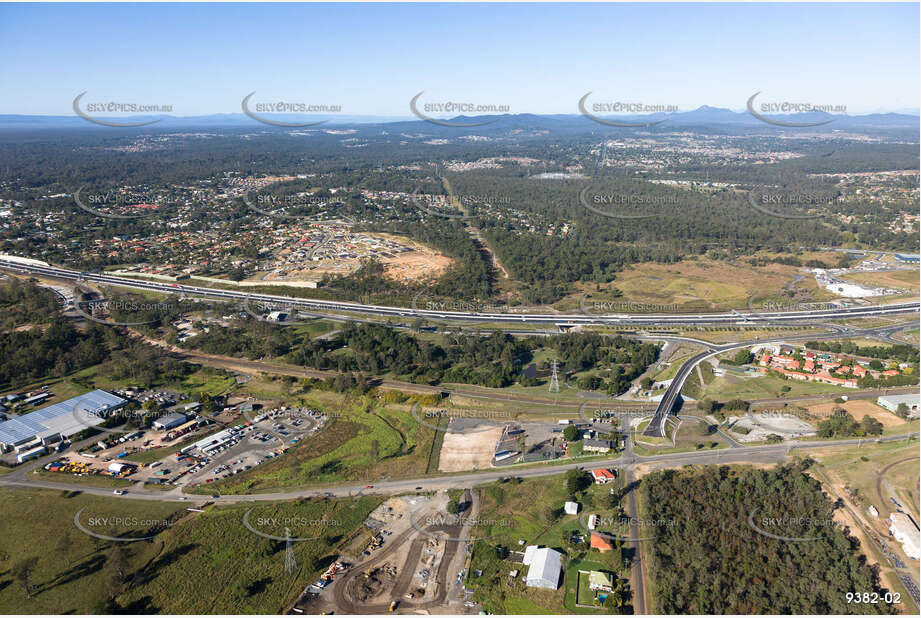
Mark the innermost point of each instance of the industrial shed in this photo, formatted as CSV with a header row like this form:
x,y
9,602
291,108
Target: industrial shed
x,y
65,418
545,566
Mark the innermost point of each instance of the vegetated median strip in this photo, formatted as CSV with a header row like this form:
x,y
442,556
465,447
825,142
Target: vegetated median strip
x,y
437,443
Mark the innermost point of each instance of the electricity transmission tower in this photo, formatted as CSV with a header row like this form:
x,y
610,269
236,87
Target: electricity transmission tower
x,y
290,563
555,378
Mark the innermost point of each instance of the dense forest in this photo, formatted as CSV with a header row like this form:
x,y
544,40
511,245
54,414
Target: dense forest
x,y
145,366
25,303
489,361
711,560
36,353
619,360
46,345
495,360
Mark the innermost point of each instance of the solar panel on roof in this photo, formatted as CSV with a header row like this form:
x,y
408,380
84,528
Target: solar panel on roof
x,y
56,417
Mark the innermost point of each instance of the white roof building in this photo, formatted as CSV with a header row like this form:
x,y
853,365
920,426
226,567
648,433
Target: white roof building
x,y
891,402
545,566
571,508
65,417
529,554
906,532
214,441
168,421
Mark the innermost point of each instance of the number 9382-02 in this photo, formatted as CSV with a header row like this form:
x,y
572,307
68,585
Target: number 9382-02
x,y
873,597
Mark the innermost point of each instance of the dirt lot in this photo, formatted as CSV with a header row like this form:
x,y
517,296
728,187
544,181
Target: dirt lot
x,y
762,425
858,529
468,451
858,408
422,262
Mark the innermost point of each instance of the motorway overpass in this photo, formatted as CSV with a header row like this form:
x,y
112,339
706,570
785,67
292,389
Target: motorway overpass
x,y
667,404
728,319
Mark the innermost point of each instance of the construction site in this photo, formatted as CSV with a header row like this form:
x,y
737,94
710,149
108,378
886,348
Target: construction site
x,y
412,560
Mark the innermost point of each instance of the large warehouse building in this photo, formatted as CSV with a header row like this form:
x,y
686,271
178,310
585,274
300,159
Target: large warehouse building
x,y
57,421
906,532
891,402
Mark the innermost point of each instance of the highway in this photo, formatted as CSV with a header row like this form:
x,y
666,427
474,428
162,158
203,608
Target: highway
x,y
730,318
655,428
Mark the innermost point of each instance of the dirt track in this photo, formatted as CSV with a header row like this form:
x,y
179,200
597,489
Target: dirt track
x,y
344,603
443,579
879,481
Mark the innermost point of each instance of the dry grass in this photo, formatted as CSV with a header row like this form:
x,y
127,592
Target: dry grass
x,y
905,279
858,409
702,284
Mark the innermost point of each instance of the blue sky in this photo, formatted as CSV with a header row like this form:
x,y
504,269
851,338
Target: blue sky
x,y
540,58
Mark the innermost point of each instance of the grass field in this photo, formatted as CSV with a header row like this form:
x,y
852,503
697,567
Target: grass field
x,y
681,353
694,284
860,469
219,566
733,334
524,510
909,336
854,474
316,327
693,435
693,386
205,380
196,563
70,573
872,322
727,387
577,590
904,279
541,390
435,450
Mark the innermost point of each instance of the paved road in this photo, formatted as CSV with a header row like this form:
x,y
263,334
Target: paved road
x,y
747,454
719,432
656,426
733,317
639,589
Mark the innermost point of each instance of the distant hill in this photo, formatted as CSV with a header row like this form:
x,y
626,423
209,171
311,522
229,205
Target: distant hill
x,y
703,116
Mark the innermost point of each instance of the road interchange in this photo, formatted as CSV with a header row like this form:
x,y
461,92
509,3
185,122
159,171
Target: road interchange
x,y
729,318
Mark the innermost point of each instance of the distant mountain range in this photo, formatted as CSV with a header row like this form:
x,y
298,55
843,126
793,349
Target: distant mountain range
x,y
702,116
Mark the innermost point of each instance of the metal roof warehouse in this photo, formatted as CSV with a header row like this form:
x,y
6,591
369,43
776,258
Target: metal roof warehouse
x,y
214,441
65,417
